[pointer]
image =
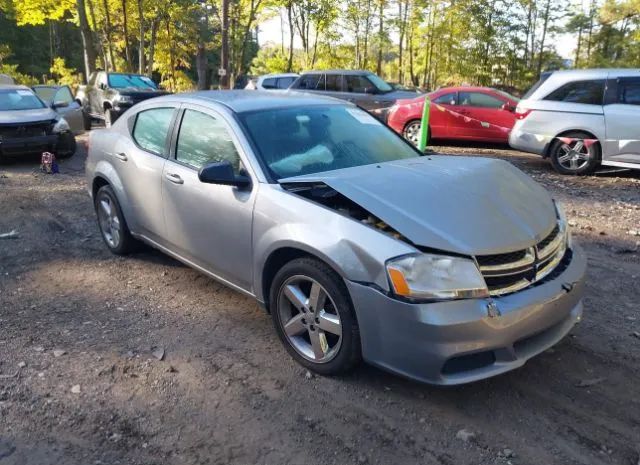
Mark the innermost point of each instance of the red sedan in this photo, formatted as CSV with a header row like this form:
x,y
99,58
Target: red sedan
x,y
467,113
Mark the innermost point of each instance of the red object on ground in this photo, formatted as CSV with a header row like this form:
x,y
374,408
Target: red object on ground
x,y
465,113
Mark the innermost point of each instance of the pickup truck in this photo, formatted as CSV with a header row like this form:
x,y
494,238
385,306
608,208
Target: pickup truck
x,y
107,95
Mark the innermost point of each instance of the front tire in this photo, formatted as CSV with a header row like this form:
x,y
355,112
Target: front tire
x,y
113,226
575,157
314,318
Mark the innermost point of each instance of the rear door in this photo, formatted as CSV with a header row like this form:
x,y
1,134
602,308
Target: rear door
x,y
139,161
622,120
482,117
208,224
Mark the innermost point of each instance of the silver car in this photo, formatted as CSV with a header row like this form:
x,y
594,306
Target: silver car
x,y
441,269
581,119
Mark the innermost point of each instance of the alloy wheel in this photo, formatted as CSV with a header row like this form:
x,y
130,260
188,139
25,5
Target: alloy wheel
x,y
109,221
310,319
412,132
573,156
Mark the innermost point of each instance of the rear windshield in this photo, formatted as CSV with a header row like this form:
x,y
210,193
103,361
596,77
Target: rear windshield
x,y
19,99
46,93
536,86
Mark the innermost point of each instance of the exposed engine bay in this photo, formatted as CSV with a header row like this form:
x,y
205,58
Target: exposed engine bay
x,y
320,193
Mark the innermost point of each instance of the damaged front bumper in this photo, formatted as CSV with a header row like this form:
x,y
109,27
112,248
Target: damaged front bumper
x,y
460,341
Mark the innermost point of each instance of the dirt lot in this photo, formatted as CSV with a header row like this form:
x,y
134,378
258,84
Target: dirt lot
x,y
81,332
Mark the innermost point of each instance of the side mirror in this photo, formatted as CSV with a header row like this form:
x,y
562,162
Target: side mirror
x,y
222,173
508,107
102,86
56,105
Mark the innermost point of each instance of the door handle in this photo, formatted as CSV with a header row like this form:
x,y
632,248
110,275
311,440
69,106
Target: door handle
x,y
121,156
174,178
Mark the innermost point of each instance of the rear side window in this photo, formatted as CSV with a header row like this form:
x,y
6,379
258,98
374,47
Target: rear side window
x,y
310,81
334,82
478,99
269,83
151,129
358,84
204,139
589,92
446,99
285,82
629,91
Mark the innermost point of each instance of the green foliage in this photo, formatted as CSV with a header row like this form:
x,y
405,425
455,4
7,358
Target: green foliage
x,y
63,75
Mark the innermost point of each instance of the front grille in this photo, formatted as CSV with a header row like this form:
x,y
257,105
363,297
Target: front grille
x,y
510,272
26,130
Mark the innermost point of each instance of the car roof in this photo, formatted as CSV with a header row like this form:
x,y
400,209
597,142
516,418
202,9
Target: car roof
x,y
279,75
349,72
13,86
240,101
593,71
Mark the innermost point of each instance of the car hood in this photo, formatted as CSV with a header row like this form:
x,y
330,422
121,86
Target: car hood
x,y
466,205
27,116
141,93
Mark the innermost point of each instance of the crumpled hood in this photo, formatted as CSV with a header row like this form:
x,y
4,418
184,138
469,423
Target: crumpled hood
x,y
27,116
467,205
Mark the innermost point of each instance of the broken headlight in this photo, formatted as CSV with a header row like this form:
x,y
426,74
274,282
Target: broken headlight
x,y
436,277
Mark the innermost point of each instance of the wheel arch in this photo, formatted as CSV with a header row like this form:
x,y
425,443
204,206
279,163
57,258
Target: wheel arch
x,y
280,257
589,133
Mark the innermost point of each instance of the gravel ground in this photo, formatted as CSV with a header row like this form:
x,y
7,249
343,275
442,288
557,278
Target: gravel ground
x,y
140,360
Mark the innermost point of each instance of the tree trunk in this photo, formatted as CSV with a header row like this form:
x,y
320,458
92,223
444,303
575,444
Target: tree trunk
x,y
125,30
224,52
577,60
87,40
380,35
107,29
141,38
152,45
543,38
172,60
202,65
291,35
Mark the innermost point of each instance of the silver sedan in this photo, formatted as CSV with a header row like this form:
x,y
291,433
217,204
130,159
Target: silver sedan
x,y
442,269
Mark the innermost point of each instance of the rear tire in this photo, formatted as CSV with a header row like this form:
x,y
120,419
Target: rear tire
x,y
113,226
325,339
411,132
575,158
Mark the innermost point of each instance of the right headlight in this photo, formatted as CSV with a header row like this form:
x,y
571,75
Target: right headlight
x,y
436,277
563,224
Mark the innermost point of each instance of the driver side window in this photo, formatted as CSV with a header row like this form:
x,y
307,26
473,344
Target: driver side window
x,y
358,84
63,95
203,139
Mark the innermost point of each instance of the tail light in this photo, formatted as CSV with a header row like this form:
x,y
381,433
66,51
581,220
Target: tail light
x,y
522,113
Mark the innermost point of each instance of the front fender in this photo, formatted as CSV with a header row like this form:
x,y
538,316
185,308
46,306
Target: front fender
x,y
354,250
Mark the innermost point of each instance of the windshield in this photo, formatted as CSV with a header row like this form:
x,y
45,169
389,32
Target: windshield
x,y
380,83
19,99
46,93
307,140
120,81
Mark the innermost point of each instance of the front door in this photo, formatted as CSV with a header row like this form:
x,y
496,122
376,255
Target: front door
x,y
622,121
482,117
69,109
208,224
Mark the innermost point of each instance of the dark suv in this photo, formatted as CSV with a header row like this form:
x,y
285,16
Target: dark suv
x,y
363,88
107,95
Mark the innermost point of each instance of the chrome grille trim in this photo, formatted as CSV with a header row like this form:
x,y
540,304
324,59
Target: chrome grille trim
x,y
536,263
